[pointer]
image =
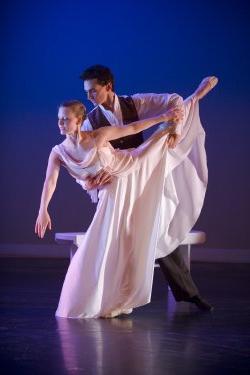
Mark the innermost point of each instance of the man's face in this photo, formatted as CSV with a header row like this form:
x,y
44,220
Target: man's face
x,y
97,93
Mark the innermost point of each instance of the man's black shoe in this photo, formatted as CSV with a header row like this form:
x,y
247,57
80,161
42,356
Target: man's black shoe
x,y
200,303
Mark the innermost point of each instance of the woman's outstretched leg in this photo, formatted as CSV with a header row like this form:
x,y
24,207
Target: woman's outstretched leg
x,y
173,266
206,85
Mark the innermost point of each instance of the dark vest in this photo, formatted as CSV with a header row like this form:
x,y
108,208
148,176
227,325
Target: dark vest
x,y
129,114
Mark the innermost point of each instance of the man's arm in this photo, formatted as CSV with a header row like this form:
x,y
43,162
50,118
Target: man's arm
x,y
150,104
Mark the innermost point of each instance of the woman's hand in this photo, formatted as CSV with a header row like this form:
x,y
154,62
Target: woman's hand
x,y
42,222
174,115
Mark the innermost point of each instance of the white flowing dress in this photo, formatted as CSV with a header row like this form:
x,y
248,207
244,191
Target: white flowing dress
x,y
153,202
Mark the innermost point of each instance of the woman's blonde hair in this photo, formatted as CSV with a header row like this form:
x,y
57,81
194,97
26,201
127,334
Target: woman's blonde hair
x,y
77,107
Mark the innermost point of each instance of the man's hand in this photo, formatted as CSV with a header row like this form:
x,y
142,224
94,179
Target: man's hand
x,y
173,140
99,180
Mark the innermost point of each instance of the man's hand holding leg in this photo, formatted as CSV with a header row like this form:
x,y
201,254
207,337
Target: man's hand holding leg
x,y
98,181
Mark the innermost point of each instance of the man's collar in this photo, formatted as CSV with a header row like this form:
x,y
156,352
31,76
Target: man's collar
x,y
116,104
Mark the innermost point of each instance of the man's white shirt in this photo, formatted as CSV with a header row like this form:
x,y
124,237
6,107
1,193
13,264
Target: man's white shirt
x,y
147,105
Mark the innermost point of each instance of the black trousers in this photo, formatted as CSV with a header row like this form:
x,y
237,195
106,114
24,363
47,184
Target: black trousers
x,y
178,276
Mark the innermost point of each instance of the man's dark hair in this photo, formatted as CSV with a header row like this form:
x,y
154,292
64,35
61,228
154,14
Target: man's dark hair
x,y
99,72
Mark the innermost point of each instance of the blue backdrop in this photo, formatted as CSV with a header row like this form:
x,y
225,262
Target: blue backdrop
x,y
156,46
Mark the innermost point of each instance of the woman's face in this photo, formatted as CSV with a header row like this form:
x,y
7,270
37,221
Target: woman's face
x,y
67,121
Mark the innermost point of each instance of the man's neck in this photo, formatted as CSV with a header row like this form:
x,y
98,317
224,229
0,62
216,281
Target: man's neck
x,y
110,102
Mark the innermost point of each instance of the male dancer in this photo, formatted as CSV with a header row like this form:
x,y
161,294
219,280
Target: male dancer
x,y
117,110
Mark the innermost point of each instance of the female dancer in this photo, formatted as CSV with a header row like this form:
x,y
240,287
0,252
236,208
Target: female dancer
x,y
138,219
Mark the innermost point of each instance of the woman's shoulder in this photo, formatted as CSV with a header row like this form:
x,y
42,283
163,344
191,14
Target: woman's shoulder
x,y
87,133
57,150
87,136
88,139
65,144
57,147
95,138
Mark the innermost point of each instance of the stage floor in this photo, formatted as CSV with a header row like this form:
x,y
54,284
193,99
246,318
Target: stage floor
x,y
160,338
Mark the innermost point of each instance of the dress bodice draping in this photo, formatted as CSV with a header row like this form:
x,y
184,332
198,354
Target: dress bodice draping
x,y
82,162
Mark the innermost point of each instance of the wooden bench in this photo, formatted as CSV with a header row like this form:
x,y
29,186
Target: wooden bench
x,y
74,239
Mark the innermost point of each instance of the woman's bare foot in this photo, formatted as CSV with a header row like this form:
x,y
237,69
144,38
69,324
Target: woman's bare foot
x,y
206,85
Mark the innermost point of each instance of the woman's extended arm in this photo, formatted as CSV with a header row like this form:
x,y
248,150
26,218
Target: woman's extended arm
x,y
109,133
43,219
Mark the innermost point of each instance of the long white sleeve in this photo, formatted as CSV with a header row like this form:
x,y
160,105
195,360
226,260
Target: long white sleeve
x,y
148,105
